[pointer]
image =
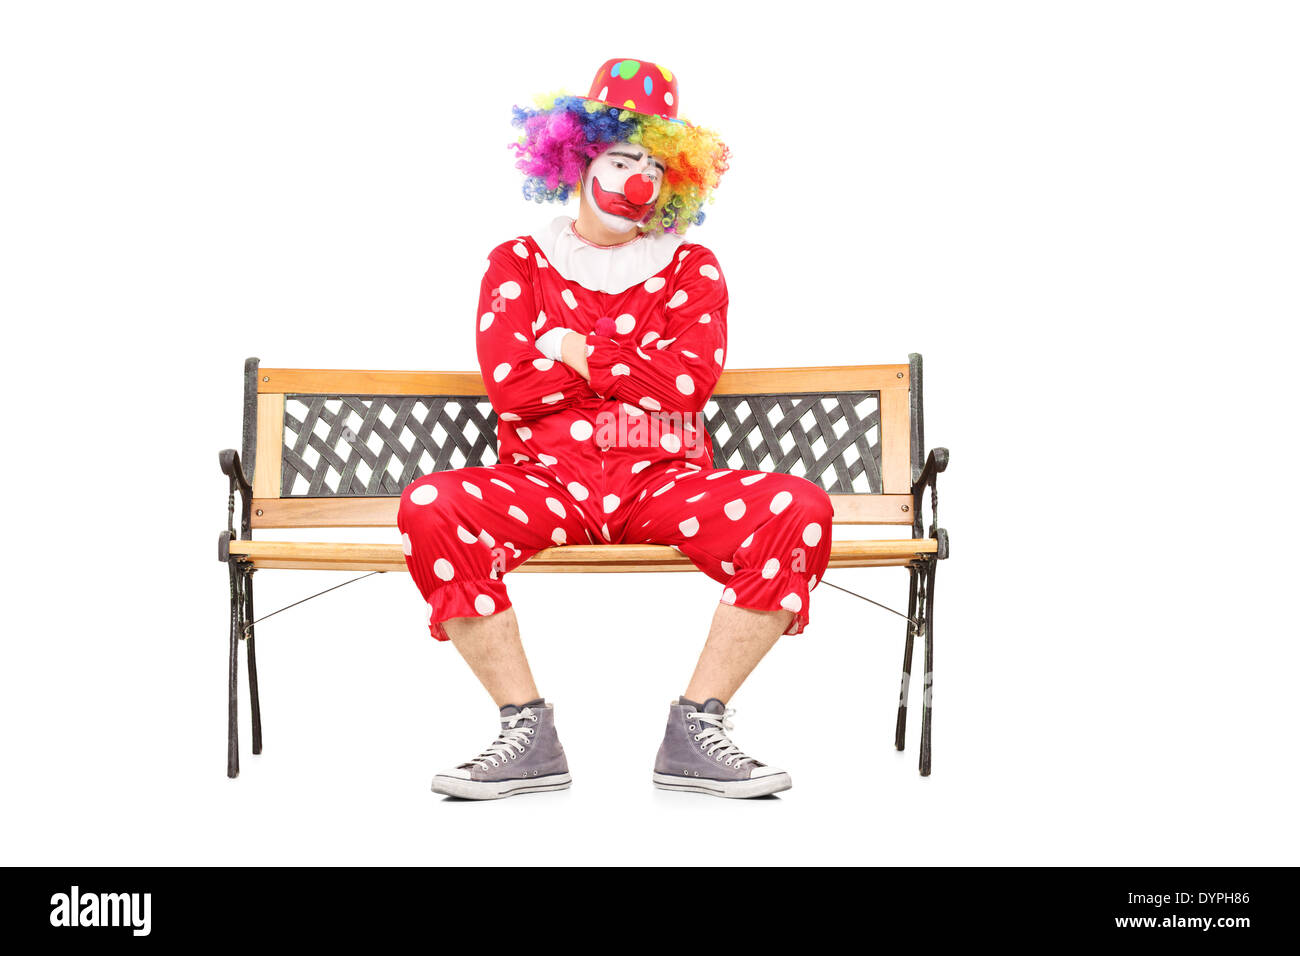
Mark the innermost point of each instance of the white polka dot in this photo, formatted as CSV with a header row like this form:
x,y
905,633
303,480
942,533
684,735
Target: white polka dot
x,y
812,534
406,543
424,495
770,569
537,481
670,443
604,93
520,337
689,354
590,349
610,504
664,343
753,479
556,506
694,498
685,384
640,466
509,290
543,364
625,323
484,605
517,513
619,369
705,319
708,271
568,298
668,97
578,491
747,542
728,567
466,535
524,432
473,489
792,602
728,596
655,283
667,487
501,371
650,403
558,536
520,457
487,539
541,262
689,527
552,398
678,298
632,411
716,474
485,321
781,501
735,510
648,338
539,321
812,582
581,430
442,567
550,461
509,417
498,482
642,354
520,250
717,356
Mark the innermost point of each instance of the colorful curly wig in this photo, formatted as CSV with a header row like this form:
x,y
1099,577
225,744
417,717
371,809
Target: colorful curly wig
x,y
564,133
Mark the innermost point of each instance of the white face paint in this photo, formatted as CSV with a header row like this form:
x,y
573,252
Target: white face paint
x,y
622,185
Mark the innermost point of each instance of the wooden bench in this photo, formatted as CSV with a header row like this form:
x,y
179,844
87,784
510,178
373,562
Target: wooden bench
x,y
329,448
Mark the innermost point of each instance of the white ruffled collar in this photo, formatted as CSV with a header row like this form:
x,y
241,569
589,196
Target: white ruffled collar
x,y
605,268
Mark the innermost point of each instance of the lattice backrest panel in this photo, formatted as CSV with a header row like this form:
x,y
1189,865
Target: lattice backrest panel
x,y
375,445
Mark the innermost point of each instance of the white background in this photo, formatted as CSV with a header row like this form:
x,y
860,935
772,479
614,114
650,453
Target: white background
x,y
1083,215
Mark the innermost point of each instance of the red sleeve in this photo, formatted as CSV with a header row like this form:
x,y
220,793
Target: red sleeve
x,y
677,372
522,383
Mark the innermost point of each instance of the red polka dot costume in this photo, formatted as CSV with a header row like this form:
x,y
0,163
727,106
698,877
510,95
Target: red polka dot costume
x,y
623,458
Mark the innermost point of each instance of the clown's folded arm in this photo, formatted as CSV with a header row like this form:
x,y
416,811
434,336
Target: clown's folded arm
x,y
522,384
675,372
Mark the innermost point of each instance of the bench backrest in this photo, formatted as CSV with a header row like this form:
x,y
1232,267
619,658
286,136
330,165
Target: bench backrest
x,y
334,448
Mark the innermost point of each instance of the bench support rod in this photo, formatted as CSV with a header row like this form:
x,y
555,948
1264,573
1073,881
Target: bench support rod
x,y
232,732
252,662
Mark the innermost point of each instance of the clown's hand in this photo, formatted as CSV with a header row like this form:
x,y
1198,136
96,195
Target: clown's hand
x,y
548,343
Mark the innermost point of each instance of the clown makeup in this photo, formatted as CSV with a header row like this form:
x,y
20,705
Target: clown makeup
x,y
622,184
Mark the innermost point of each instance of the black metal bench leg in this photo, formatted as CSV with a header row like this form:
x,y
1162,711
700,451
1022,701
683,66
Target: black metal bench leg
x,y
252,663
232,733
900,728
929,668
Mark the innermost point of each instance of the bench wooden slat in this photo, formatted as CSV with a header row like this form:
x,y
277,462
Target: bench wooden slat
x,y
743,381
382,512
352,556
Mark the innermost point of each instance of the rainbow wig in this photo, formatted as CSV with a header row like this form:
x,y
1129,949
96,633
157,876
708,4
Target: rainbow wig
x,y
566,132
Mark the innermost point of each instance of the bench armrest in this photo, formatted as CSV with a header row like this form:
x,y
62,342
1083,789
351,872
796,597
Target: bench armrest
x,y
936,462
232,469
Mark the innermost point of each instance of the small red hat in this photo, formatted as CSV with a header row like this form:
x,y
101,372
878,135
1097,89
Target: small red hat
x,y
637,85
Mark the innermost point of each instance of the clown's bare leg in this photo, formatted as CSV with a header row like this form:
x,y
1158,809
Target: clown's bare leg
x,y
493,651
737,641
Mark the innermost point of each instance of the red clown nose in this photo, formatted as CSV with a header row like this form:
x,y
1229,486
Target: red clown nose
x,y
638,188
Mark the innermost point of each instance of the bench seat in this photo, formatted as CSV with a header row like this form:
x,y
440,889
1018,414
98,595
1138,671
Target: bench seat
x,y
347,556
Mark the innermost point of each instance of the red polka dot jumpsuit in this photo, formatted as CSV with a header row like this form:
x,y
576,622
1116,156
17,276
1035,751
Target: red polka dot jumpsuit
x,y
622,459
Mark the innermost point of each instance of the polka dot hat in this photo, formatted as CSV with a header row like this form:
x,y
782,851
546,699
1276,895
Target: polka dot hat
x,y
637,85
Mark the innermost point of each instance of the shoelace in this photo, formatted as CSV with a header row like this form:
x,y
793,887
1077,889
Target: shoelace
x,y
509,741
715,738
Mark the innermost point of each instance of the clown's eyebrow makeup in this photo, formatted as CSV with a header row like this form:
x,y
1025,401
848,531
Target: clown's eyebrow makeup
x,y
636,158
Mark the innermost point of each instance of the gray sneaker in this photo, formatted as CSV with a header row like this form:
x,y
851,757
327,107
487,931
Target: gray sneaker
x,y
526,757
697,755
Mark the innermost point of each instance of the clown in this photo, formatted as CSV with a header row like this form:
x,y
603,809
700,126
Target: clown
x,y
600,340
